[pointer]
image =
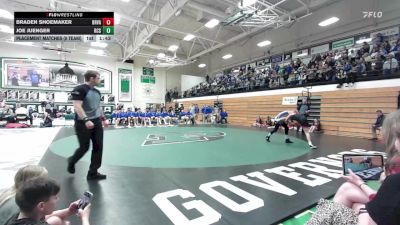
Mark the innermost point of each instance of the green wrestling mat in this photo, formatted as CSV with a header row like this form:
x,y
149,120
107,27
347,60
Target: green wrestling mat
x,y
188,147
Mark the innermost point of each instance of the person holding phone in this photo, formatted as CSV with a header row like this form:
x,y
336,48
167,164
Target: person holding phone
x,y
355,202
37,198
89,122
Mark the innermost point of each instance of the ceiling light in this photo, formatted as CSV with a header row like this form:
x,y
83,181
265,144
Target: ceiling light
x,y
173,48
202,65
125,0
264,43
189,37
212,23
117,18
227,56
328,21
93,51
161,55
245,3
98,44
6,14
151,61
364,40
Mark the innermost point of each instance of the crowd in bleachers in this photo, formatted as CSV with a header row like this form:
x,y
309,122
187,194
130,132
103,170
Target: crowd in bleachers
x,y
171,94
341,66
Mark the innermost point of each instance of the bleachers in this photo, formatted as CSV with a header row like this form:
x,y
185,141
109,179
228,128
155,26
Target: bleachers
x,y
351,113
343,112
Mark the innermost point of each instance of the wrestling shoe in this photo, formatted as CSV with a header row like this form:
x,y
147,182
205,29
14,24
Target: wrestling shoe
x,y
96,176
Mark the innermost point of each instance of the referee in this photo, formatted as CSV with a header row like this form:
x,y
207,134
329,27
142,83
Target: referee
x,y
89,121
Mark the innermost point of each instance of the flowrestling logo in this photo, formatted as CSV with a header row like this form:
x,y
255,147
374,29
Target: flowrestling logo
x,y
182,138
372,14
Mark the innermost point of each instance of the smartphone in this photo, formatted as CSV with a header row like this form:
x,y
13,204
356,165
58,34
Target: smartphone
x,y
85,199
366,166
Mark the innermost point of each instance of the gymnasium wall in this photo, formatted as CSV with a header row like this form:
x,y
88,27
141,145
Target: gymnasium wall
x,y
344,112
140,91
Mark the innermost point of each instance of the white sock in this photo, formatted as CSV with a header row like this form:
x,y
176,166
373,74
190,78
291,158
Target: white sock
x,y
286,136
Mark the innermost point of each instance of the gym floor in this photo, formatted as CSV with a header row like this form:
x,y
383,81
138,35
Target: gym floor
x,y
224,174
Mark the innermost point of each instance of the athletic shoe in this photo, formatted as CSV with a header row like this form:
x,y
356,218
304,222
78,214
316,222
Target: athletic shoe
x,y
288,141
313,146
97,176
267,138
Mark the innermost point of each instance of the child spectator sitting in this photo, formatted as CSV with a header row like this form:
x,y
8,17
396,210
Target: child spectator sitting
x,y
37,199
7,203
259,122
37,208
316,126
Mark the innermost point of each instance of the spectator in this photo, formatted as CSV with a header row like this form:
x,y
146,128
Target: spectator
x,y
316,126
259,122
224,116
356,203
390,65
7,203
37,198
21,113
8,114
47,121
378,124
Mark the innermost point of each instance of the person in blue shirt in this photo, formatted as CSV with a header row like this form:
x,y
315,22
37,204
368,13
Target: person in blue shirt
x,y
173,118
122,118
142,117
129,117
224,116
135,118
165,117
147,118
35,78
204,114
189,118
114,116
157,116
182,116
196,111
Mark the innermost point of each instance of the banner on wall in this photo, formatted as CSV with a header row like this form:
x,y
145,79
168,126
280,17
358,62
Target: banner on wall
x,y
125,84
320,49
148,79
343,43
148,71
300,53
289,100
276,59
49,74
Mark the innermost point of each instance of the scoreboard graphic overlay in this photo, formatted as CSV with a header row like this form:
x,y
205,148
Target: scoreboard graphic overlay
x,y
64,26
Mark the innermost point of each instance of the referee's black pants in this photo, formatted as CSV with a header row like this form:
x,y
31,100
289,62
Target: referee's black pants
x,y
84,136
